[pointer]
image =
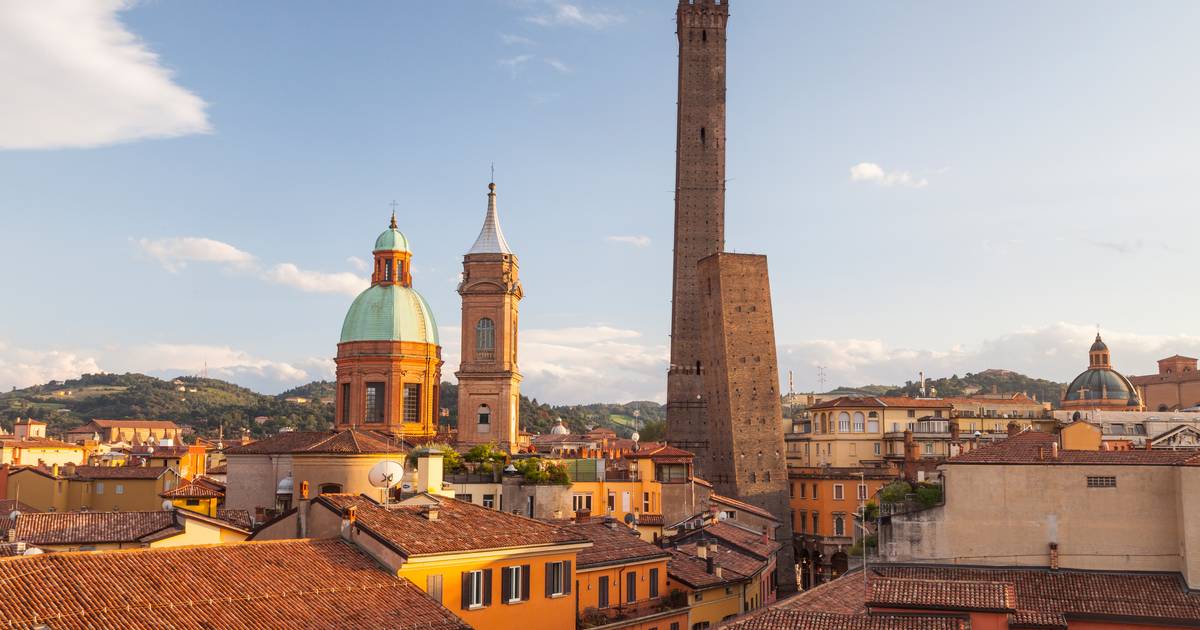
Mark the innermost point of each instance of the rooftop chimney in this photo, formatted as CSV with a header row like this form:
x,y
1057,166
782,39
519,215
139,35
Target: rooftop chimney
x,y
702,551
954,430
583,516
709,565
351,513
1053,556
11,535
1054,450
432,513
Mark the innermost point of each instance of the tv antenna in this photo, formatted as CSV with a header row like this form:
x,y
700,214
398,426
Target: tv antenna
x,y
821,378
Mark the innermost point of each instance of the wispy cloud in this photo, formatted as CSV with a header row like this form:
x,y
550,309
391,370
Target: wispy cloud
x,y
1130,246
75,76
516,40
359,264
173,254
559,13
22,367
513,63
637,240
871,172
557,65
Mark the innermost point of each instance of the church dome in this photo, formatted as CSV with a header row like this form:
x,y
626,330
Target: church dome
x,y
392,240
390,312
1099,345
1102,384
559,429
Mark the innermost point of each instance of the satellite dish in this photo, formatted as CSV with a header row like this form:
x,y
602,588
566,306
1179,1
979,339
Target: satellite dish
x,y
386,474
12,516
977,434
33,551
722,516
167,505
635,437
630,519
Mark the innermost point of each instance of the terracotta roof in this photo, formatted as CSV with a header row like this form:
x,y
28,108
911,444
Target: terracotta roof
x,y
237,518
660,452
10,441
346,441
743,506
844,595
280,584
88,528
1034,447
650,519
460,526
223,469
776,619
702,482
194,489
962,595
7,506
612,543
1023,401
128,423
736,535
728,558
883,401
118,472
145,450
693,571
1054,596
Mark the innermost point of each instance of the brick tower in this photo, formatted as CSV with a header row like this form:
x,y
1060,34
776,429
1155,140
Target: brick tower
x,y
699,211
489,383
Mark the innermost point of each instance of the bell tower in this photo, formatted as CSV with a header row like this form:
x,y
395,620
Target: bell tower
x,y
489,383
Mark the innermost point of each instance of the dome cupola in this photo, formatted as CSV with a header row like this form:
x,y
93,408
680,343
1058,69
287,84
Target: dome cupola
x,y
1100,386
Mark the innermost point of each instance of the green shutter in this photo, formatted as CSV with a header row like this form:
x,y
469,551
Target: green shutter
x,y
466,590
505,584
487,587
524,582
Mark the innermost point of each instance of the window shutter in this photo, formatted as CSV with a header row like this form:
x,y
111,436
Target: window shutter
x,y
549,587
505,584
466,590
525,582
487,587
566,576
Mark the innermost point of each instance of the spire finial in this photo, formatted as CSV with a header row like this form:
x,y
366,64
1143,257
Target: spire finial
x,y
393,205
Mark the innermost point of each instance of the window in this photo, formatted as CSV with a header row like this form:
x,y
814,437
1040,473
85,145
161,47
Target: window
x,y
816,522
803,521
329,488
792,491
466,498
602,597
674,625
839,525
873,422
878,449
858,422
193,502
912,413
120,488
843,422
670,473
1102,482
99,487
862,491
558,578
476,589
645,502
801,490
375,402
387,271
485,340
581,502
489,501
814,489
433,587
630,587
346,402
612,502
838,492
484,414
653,583
937,413
514,584
927,448
412,402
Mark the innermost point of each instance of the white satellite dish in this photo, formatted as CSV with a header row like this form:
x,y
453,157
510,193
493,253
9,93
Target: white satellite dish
x,y
723,516
167,505
33,551
12,516
386,474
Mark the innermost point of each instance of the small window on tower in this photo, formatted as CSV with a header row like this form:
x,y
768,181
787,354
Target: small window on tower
x,y
702,134
412,402
387,271
485,414
703,36
485,340
375,402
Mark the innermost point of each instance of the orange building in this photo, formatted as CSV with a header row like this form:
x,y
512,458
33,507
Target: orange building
x,y
824,502
389,359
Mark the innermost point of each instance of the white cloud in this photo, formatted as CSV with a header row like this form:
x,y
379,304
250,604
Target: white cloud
x,y
1055,351
637,240
871,172
74,76
513,62
174,253
565,14
359,264
510,40
222,362
290,275
558,65
581,364
22,367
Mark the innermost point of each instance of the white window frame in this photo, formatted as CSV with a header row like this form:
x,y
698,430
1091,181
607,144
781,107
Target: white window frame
x,y
99,487
581,501
862,491
558,583
119,488
839,492
475,589
514,593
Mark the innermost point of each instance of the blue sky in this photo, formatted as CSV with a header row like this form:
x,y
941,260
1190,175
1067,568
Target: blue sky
x,y
938,186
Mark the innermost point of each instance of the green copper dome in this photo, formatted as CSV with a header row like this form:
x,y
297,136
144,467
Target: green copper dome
x,y
390,312
392,240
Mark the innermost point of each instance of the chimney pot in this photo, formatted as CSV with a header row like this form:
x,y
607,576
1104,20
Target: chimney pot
x,y
11,535
432,513
1053,556
1054,450
709,565
702,550
351,513
583,516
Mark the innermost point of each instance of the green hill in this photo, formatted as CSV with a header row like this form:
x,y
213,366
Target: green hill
x,y
993,381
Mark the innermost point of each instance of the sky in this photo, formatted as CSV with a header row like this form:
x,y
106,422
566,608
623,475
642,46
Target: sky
x,y
939,186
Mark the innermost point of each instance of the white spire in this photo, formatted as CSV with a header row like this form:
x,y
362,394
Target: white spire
x,y
491,239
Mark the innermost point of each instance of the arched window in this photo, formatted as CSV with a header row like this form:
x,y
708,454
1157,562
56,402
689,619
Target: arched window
x,y
329,488
485,339
387,271
858,422
484,414
843,422
873,422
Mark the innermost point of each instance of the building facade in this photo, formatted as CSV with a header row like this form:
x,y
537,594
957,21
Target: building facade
x,y
389,358
699,211
489,383
824,502
1175,387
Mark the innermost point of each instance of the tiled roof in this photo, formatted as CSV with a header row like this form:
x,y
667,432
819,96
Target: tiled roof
x,y
612,543
346,441
194,489
882,401
650,519
743,506
10,441
118,472
737,535
223,469
131,424
962,595
844,595
661,452
7,506
460,526
159,451
776,619
1034,447
281,584
1042,593
88,528
237,518
693,571
729,558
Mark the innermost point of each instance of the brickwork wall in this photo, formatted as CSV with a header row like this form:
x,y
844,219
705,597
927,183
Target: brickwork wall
x,y
699,209
747,455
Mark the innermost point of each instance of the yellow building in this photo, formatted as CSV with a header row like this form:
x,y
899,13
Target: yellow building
x,y
99,531
100,488
28,445
201,495
189,460
127,430
622,580
493,569
712,593
849,431
635,494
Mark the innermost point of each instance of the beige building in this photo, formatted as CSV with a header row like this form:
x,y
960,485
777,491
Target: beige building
x,y
71,488
1028,502
848,432
127,430
1176,386
28,445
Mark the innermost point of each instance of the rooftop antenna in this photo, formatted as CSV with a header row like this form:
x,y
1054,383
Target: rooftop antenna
x,y
393,205
493,179
791,384
821,378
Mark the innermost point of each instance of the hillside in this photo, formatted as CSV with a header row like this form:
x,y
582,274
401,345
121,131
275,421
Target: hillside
x,y
987,382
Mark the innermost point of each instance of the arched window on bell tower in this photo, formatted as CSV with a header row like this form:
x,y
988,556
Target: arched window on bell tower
x,y
485,340
483,414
